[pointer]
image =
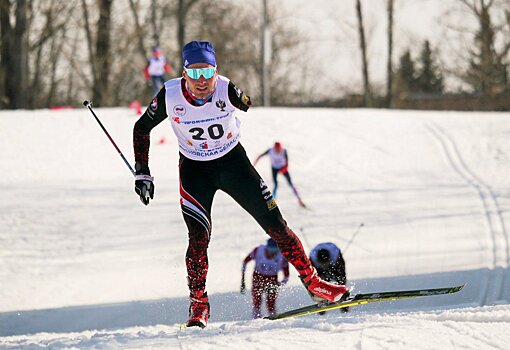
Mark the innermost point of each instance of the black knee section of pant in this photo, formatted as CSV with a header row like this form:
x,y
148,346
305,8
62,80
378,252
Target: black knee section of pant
x,y
272,220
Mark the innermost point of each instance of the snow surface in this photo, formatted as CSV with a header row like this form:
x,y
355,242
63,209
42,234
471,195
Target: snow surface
x,y
83,264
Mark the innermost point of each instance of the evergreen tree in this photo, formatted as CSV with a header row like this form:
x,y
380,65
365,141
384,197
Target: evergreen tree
x,y
487,73
407,73
429,77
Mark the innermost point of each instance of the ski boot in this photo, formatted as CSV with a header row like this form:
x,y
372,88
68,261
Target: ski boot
x,y
256,313
320,289
198,310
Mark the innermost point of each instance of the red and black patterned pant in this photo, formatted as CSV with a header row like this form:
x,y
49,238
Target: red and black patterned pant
x,y
236,176
264,285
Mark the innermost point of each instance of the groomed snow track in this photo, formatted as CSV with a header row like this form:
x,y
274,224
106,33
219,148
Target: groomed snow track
x,y
494,288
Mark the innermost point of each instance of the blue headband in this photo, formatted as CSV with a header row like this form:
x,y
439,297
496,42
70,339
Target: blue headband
x,y
198,52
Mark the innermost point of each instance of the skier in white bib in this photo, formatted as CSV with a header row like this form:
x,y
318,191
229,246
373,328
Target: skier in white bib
x,y
268,262
280,165
156,68
201,107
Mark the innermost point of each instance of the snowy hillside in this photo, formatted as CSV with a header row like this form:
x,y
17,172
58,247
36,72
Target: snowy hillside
x,y
83,264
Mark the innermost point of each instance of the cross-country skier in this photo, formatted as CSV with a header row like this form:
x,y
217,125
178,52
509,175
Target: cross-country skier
x,y
280,165
330,264
201,107
268,262
156,68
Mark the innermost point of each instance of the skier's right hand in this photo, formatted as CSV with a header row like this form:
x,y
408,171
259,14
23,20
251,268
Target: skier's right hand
x,y
144,187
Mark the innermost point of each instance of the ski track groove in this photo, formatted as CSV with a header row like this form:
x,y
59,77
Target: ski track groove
x,y
491,207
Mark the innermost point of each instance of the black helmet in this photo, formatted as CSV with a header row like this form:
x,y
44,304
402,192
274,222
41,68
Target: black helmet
x,y
323,256
271,246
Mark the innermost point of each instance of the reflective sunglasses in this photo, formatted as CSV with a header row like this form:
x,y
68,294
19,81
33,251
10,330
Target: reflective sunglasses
x,y
195,73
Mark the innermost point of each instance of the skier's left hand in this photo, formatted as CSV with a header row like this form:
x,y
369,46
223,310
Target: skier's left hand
x,y
284,169
283,282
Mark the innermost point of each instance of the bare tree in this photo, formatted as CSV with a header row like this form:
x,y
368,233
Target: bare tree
x,y
389,67
225,26
14,53
69,78
103,57
290,52
45,48
99,28
140,32
177,11
487,72
127,82
35,84
5,50
183,8
181,29
155,31
480,43
55,52
99,50
367,96
18,75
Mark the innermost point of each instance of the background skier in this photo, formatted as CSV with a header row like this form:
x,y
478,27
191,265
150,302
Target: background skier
x,y
280,165
330,264
268,262
156,68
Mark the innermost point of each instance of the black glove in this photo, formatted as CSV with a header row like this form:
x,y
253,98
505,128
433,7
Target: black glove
x,y
144,187
283,282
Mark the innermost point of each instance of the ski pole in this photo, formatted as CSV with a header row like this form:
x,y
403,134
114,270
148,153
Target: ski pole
x,y
88,104
352,238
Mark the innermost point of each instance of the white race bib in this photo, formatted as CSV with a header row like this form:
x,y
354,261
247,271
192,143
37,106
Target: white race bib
x,y
203,132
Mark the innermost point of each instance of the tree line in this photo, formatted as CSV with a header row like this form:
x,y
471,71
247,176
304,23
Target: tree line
x,y
487,58
62,52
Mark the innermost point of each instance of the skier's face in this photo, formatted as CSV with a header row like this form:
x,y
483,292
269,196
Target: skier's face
x,y
200,87
271,251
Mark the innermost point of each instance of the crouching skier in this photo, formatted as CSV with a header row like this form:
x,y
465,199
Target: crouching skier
x,y
201,107
329,263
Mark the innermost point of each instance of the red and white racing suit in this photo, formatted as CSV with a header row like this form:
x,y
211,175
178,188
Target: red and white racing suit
x,y
265,278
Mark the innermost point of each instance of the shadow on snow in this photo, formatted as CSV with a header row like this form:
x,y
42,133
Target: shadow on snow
x,y
236,307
